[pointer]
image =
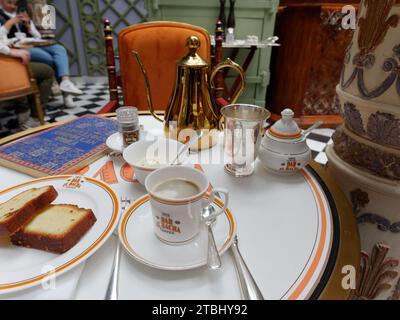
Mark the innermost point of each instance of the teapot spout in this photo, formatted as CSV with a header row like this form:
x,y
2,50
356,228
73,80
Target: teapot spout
x,y
148,90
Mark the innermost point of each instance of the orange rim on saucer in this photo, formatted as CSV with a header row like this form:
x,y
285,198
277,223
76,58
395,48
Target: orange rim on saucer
x,y
130,213
27,283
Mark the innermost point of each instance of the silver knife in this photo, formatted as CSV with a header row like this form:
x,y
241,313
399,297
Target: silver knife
x,y
248,286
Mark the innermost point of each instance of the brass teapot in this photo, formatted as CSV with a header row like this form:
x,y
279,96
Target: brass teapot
x,y
191,106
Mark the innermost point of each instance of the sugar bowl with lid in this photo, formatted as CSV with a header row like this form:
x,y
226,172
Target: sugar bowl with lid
x,y
284,149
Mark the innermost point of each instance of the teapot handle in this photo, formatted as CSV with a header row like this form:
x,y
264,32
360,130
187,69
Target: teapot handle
x,y
228,63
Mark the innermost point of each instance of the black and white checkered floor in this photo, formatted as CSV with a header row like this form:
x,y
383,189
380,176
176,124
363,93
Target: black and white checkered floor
x,y
96,96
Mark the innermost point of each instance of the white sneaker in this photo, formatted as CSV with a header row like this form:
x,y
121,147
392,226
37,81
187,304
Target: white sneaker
x,y
69,101
29,124
55,89
68,87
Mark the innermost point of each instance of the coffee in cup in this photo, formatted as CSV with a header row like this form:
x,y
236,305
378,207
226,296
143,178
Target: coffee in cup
x,y
178,197
176,189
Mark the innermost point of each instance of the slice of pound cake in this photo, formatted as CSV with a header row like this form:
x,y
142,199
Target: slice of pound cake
x,y
55,229
22,208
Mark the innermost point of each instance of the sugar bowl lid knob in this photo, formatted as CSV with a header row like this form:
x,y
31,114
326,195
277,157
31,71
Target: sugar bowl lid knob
x,y
286,128
287,114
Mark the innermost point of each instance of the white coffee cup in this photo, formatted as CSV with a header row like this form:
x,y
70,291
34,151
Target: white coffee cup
x,y
177,221
20,35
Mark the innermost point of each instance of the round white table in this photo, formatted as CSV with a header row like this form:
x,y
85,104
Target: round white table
x,y
296,234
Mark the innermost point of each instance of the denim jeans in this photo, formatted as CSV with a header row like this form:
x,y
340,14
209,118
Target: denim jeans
x,y
54,56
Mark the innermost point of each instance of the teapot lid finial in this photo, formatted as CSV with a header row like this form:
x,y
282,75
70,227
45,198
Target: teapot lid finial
x,y
286,128
193,43
192,58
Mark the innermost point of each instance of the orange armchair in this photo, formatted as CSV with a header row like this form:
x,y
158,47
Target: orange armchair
x,y
160,45
18,83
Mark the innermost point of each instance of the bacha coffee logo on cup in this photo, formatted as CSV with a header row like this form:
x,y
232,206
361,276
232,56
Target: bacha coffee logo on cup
x,y
166,224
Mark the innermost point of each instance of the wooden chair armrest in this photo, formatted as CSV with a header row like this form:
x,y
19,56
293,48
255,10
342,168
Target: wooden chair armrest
x,y
109,107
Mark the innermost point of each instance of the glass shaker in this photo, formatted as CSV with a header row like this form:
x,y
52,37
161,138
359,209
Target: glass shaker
x,y
128,121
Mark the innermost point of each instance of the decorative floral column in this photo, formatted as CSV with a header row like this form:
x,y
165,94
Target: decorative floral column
x,y
365,157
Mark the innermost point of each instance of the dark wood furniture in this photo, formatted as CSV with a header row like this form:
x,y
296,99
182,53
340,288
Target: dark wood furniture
x,y
114,80
306,68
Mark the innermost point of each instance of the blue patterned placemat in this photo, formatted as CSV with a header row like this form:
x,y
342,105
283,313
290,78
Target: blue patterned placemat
x,y
62,148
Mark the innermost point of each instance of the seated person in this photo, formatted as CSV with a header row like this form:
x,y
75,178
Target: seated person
x,y
55,55
44,74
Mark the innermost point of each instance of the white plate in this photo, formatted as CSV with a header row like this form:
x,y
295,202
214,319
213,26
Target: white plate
x,y
22,268
137,236
115,142
31,39
23,43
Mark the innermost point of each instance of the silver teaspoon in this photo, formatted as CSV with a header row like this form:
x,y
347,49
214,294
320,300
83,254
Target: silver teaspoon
x,y
213,258
313,127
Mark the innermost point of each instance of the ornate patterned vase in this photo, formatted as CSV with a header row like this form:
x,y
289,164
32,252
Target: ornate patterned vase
x,y
36,13
365,157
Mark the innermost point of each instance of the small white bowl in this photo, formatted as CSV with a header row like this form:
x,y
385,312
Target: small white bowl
x,y
161,152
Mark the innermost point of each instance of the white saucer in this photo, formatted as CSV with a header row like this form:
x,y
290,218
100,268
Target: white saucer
x,y
115,142
137,237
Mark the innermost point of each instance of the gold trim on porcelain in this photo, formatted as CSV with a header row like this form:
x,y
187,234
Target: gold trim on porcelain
x,y
349,251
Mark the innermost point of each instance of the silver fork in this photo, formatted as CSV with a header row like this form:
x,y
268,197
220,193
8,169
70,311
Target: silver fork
x,y
112,288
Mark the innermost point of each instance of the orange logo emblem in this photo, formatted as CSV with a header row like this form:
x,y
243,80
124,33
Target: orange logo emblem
x,y
74,182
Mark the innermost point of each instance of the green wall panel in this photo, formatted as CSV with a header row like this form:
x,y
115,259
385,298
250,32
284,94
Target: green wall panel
x,y
253,17
91,26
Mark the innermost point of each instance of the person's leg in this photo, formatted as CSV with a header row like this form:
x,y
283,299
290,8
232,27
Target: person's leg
x,y
44,76
60,60
40,55
23,113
